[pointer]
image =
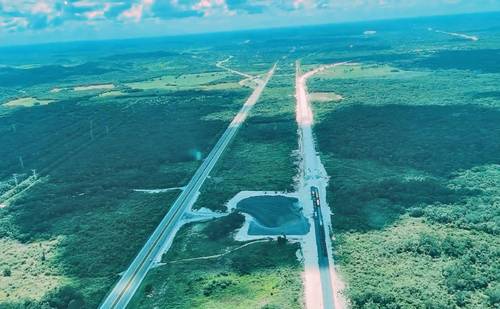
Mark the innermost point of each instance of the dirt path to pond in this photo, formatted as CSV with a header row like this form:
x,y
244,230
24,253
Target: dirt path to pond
x,y
216,256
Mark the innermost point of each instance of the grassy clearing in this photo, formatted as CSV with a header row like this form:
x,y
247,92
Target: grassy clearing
x,y
365,71
208,81
115,93
27,102
324,97
261,275
29,269
94,87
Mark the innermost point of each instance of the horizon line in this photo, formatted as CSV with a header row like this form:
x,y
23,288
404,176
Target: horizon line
x,y
250,29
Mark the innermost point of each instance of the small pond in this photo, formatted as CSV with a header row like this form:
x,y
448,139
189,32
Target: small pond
x,y
274,215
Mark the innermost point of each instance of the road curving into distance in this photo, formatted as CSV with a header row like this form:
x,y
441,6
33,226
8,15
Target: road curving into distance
x,y
124,290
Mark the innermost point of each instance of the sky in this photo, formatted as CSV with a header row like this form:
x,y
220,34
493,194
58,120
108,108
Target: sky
x,y
40,21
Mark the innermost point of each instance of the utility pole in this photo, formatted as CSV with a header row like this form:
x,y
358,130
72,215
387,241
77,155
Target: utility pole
x,y
91,130
15,179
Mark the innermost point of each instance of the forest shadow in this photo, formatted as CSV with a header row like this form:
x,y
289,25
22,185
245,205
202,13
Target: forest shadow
x,y
462,60
437,141
14,77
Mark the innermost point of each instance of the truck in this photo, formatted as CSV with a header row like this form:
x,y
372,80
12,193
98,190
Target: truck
x,y
315,196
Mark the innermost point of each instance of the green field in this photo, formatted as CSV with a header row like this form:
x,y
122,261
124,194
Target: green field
x,y
26,102
209,80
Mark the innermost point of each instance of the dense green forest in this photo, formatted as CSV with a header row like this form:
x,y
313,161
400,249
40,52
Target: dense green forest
x,y
415,180
70,228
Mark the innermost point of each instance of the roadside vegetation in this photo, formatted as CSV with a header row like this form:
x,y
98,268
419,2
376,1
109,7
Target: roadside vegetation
x,y
261,274
262,155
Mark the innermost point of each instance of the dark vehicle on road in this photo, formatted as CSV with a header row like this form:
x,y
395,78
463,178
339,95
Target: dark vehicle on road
x,y
315,196
318,222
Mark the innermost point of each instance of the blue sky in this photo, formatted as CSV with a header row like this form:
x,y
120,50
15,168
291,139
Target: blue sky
x,y
35,21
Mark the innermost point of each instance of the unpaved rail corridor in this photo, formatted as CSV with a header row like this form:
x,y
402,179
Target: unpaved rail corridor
x,y
318,260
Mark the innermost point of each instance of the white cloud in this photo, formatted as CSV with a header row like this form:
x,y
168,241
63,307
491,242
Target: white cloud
x,y
13,23
97,14
42,7
136,12
304,4
40,14
212,7
85,4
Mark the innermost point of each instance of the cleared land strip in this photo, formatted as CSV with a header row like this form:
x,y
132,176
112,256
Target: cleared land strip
x,y
319,262
123,291
220,65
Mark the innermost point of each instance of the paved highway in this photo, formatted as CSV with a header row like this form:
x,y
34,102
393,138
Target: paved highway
x,y
123,291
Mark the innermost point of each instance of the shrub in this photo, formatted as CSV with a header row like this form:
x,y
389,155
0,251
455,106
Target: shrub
x,y
64,297
6,272
429,245
455,247
373,299
416,212
282,240
493,294
148,289
222,227
217,285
